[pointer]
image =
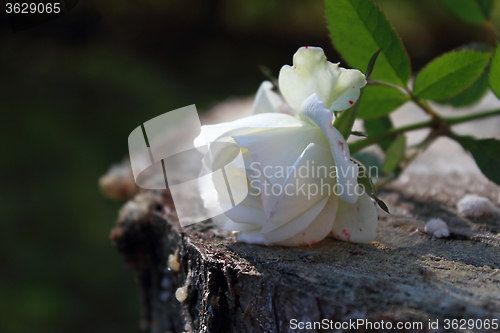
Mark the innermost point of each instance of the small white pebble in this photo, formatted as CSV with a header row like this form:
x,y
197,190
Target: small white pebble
x,y
181,293
133,210
475,206
137,208
173,262
437,227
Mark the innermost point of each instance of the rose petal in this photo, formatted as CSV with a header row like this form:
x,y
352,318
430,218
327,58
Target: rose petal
x,y
249,207
311,73
277,149
209,133
267,101
219,205
318,229
347,171
274,160
225,223
251,237
259,183
356,222
304,187
297,225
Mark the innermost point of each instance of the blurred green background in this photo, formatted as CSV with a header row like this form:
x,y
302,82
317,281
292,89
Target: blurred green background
x,y
72,90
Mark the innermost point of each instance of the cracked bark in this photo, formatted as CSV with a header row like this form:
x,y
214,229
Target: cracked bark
x,y
405,275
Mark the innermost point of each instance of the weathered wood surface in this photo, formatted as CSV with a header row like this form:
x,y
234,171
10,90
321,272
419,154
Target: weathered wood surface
x,y
405,275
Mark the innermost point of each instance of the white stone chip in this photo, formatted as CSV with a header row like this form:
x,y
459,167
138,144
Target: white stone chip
x,y
181,293
437,227
475,206
173,261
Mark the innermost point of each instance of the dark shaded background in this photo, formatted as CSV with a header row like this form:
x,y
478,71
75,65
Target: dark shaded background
x,y
73,89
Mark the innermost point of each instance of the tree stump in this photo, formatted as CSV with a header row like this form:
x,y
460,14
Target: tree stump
x,y
199,279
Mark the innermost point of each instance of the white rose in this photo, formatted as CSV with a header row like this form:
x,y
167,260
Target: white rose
x,y
300,180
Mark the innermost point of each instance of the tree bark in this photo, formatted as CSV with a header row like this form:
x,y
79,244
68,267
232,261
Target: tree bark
x,y
403,276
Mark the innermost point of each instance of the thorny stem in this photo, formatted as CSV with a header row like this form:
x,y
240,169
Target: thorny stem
x,y
423,104
484,114
387,84
419,101
360,144
441,123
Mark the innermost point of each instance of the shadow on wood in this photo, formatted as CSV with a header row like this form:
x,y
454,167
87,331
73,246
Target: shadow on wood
x,y
404,276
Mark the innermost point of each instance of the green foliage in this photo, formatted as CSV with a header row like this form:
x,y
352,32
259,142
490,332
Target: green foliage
x,y
458,78
379,101
494,76
371,63
358,133
472,11
377,127
365,181
477,90
394,154
450,74
358,28
486,152
372,160
470,95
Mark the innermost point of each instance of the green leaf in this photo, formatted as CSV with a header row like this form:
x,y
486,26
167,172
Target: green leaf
x,y
494,76
372,160
358,28
379,101
371,63
394,154
470,95
365,181
486,152
472,11
379,126
477,90
450,74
